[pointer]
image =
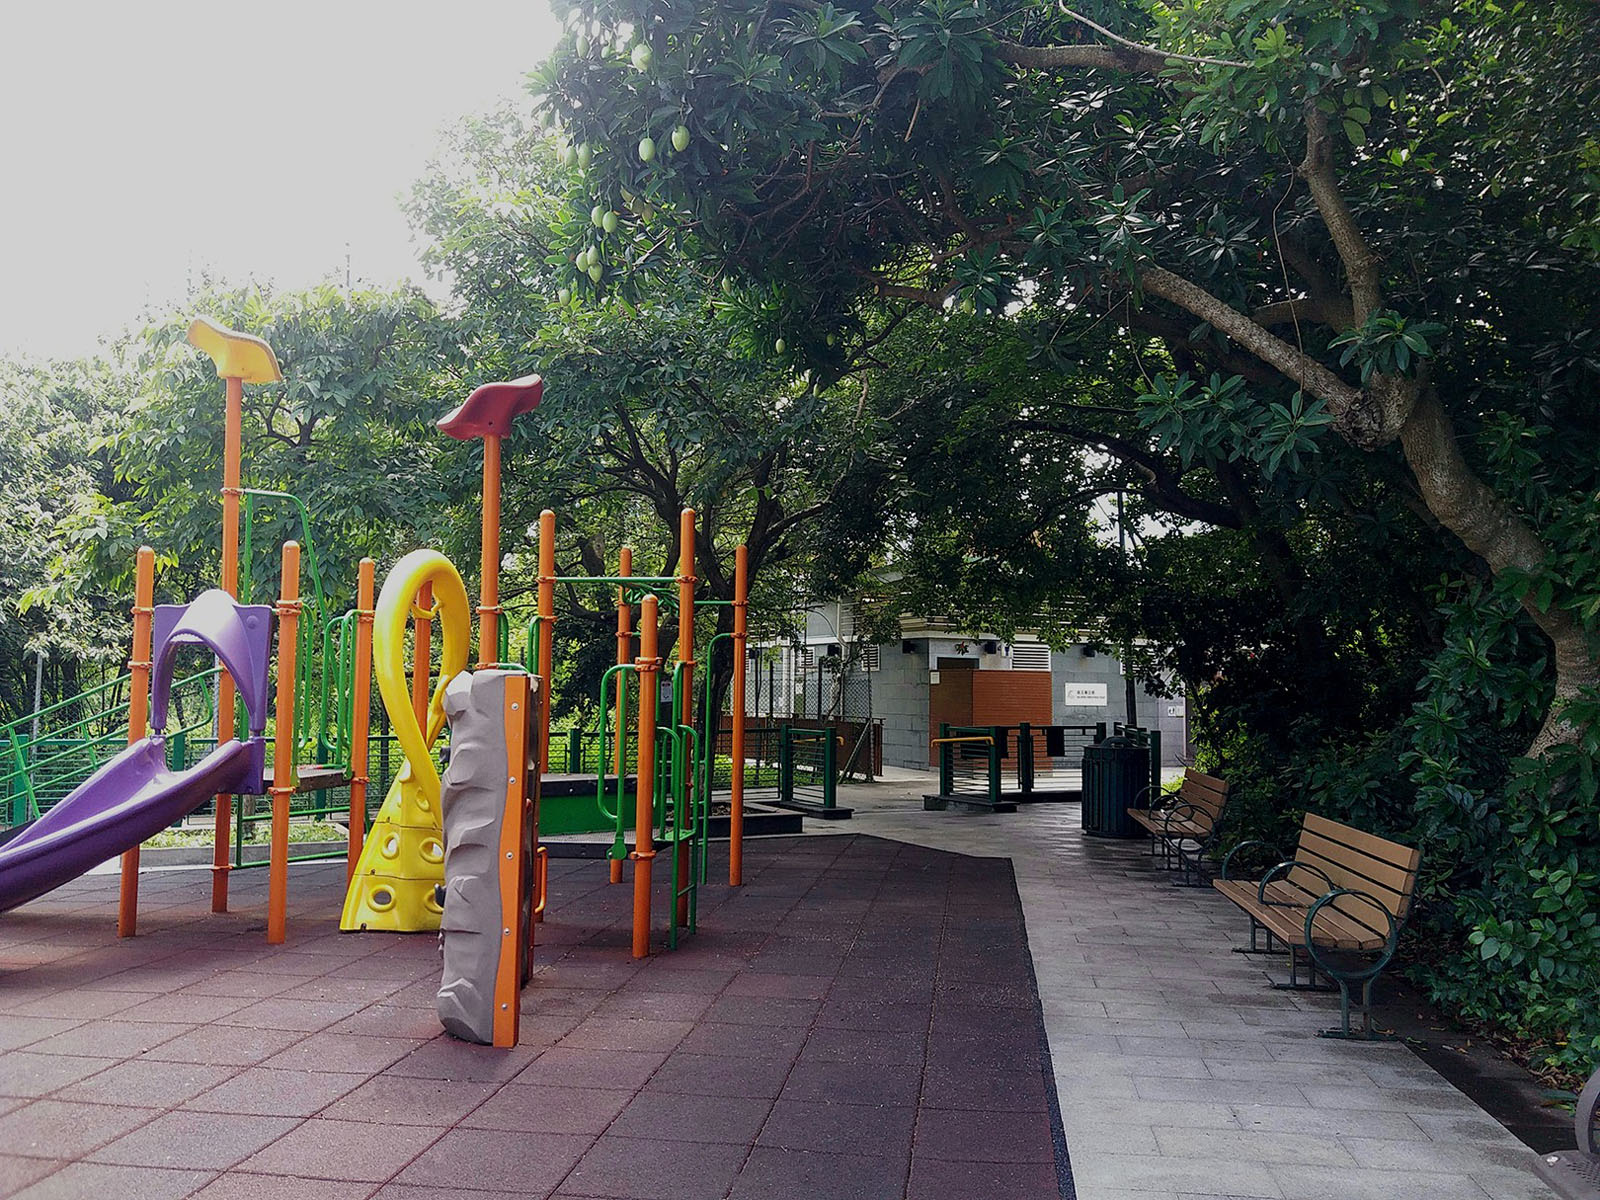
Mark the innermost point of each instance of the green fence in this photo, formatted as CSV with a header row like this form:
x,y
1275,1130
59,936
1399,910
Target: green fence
x,y
808,771
49,753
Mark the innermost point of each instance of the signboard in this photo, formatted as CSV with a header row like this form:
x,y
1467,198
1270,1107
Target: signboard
x,y
933,677
1085,695
1175,710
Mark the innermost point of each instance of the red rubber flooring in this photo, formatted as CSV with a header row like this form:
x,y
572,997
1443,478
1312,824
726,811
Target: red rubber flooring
x,y
859,1021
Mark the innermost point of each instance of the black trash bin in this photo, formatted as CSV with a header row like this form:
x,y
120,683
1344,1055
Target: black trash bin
x,y
1115,771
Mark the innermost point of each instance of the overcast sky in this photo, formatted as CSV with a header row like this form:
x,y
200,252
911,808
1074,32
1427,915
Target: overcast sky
x,y
142,142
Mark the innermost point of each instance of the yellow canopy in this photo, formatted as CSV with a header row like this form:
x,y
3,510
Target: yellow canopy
x,y
237,355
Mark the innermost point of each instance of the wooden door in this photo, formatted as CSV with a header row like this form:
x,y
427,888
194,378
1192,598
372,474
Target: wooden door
x,y
949,700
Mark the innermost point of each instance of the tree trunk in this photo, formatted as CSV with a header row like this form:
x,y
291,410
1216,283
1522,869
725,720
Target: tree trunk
x,y
1493,530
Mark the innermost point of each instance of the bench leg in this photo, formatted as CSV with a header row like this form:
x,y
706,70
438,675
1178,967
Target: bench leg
x,y
1252,948
1366,1033
1311,984
1191,872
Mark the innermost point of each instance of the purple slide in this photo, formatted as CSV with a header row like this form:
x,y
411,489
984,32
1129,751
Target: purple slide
x,y
131,798
135,796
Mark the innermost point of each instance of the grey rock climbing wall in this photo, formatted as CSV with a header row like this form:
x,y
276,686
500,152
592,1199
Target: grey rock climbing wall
x,y
474,803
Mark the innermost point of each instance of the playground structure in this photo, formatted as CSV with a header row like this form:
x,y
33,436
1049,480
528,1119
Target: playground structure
x,y
323,741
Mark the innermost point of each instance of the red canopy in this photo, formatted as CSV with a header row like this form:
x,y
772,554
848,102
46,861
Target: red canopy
x,y
492,407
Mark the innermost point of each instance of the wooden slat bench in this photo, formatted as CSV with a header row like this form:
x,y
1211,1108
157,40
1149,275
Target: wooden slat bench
x,y
1339,904
1185,824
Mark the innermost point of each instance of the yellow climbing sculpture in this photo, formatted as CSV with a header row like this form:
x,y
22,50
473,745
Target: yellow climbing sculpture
x,y
403,857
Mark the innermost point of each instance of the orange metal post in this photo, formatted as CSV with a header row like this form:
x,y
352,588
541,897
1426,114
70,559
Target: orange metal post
x,y
360,714
514,862
686,582
547,628
283,745
489,605
144,588
232,453
619,757
644,809
741,605
421,661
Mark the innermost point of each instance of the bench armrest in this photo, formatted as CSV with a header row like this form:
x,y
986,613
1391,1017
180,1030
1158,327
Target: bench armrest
x,y
1384,955
1143,794
1228,858
1284,868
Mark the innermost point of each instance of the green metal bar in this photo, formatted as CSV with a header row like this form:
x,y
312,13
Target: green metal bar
x,y
830,780
616,580
947,763
532,650
713,720
786,764
306,545
319,810
613,675
25,808
246,554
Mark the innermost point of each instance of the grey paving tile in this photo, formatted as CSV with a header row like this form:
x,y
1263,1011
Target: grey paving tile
x,y
1272,1118
1254,1145
1335,1183
1444,1157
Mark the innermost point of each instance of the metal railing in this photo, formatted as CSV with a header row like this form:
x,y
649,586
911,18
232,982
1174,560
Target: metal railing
x,y
969,761
808,769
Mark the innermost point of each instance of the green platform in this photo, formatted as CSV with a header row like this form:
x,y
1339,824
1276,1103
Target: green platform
x,y
571,804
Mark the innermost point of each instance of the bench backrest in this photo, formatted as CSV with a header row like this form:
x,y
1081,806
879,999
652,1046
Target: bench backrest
x,y
1204,792
1352,858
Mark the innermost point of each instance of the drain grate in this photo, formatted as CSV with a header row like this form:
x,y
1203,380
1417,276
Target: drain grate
x,y
1572,1173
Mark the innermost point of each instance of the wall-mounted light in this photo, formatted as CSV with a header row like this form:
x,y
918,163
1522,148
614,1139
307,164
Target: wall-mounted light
x,y
1088,650
907,646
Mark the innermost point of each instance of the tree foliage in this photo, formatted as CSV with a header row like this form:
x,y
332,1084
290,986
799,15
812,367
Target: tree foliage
x,y
1336,268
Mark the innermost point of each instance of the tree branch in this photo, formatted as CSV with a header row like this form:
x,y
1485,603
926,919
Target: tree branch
x,y
1125,55
1301,368
1336,313
1360,262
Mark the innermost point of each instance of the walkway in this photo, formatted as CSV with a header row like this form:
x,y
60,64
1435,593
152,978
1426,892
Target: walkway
x,y
1180,1073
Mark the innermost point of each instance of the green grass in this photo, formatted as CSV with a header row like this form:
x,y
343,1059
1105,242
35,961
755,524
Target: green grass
x,y
260,834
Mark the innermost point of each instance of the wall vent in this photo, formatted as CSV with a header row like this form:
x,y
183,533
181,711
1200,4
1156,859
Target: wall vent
x,y
1030,656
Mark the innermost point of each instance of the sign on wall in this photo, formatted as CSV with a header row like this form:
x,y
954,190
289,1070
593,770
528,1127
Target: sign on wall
x,y
1085,695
